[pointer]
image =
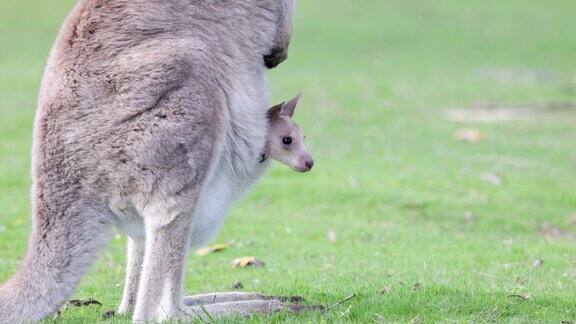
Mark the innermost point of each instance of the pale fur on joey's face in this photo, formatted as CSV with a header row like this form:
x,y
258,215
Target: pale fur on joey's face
x,y
285,139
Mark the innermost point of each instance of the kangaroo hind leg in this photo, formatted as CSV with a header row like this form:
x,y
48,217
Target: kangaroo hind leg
x,y
160,290
133,271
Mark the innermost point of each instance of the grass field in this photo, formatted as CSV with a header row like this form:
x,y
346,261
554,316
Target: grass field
x,y
423,226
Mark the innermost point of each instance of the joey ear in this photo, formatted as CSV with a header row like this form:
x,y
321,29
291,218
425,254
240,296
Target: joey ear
x,y
274,112
289,107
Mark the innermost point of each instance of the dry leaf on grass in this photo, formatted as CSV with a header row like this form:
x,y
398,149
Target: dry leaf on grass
x,y
470,135
553,232
237,285
108,314
353,182
211,249
491,178
469,217
332,236
247,262
378,318
385,290
538,263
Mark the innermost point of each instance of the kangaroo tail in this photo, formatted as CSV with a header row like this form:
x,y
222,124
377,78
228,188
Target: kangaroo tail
x,y
61,248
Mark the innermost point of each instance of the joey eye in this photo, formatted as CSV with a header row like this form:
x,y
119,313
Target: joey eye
x,y
287,140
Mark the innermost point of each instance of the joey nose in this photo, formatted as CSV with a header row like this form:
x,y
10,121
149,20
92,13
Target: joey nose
x,y
309,164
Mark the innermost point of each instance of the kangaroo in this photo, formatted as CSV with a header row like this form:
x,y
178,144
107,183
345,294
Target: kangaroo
x,y
148,113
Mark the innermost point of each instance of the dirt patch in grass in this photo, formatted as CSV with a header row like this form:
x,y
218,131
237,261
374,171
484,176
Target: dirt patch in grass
x,y
553,233
525,76
488,112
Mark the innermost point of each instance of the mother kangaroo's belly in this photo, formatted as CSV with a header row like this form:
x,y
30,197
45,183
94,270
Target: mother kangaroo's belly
x,y
216,199
213,204
217,196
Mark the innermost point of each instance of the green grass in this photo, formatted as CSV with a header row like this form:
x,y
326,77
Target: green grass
x,y
405,198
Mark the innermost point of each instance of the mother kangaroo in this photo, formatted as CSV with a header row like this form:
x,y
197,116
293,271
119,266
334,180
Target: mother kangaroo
x,y
147,111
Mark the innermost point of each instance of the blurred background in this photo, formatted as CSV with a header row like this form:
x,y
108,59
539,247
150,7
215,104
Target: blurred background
x,y
444,190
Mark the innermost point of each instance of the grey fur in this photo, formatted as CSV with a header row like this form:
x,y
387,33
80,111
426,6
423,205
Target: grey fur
x,y
144,105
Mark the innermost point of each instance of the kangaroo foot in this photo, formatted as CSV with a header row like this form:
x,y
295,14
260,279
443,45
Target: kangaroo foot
x,y
214,298
245,304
